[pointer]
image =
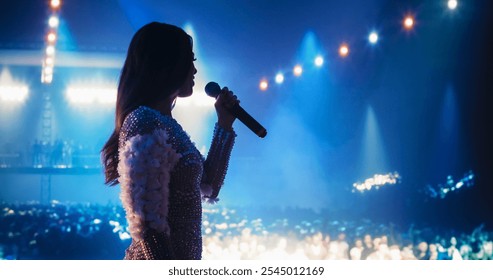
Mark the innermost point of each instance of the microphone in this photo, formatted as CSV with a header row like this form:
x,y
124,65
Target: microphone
x,y
213,90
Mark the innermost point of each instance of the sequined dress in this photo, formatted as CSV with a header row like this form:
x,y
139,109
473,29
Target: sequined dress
x,y
164,179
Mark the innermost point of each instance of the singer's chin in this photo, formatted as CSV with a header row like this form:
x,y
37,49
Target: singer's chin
x,y
185,95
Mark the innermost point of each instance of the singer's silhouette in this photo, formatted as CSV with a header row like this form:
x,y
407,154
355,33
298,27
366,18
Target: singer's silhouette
x,y
162,175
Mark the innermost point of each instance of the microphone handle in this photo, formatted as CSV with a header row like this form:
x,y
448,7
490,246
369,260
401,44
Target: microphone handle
x,y
248,120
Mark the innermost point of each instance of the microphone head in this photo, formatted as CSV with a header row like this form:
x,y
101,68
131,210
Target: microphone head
x,y
212,89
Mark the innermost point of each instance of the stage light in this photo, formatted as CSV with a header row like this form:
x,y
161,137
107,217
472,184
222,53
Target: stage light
x,y
442,190
53,22
408,22
459,185
51,37
102,95
373,37
452,4
55,4
49,61
377,181
344,50
298,70
319,61
13,93
279,78
48,70
264,85
50,50
46,79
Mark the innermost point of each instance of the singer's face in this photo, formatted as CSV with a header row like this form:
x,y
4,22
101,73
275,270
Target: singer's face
x,y
187,88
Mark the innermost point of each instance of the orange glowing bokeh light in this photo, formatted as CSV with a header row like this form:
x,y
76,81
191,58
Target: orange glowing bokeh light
x,y
344,50
408,22
298,70
51,37
55,4
264,85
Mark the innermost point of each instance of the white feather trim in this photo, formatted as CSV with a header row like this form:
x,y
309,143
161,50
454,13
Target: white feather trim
x,y
205,189
206,192
145,163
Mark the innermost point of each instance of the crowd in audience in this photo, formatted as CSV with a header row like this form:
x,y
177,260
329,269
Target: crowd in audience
x,y
89,231
60,231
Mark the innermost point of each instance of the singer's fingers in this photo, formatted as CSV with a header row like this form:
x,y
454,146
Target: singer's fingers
x,y
228,98
234,100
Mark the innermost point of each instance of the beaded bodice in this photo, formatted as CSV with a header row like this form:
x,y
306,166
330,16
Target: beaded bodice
x,y
163,201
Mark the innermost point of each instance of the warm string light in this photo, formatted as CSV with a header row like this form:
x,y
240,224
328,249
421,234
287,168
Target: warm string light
x,y
408,23
264,85
298,70
51,38
344,50
53,21
55,4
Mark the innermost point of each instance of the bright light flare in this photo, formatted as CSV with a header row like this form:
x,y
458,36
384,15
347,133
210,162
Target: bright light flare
x,y
46,79
53,22
264,85
51,37
48,70
49,61
408,22
344,50
373,37
319,61
452,4
50,50
298,70
13,93
279,78
102,95
55,4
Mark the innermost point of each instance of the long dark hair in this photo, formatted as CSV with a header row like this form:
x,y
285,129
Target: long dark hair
x,y
158,61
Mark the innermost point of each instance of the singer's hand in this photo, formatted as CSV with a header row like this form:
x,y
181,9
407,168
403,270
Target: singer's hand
x,y
225,101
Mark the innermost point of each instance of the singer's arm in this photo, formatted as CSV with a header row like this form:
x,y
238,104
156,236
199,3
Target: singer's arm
x,y
216,164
